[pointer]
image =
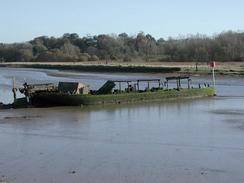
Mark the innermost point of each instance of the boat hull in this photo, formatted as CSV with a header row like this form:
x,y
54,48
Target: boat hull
x,y
60,99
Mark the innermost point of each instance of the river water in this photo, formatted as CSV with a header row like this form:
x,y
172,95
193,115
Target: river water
x,y
178,141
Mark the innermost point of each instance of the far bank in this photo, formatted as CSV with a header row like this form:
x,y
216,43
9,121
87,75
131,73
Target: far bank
x,y
223,68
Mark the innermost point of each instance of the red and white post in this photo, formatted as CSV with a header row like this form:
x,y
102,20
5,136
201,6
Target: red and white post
x,y
213,65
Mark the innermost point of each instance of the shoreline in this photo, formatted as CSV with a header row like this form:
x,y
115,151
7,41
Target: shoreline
x,y
226,68
96,67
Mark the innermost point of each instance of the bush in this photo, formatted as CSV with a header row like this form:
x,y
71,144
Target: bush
x,y
164,58
51,56
93,58
84,57
127,59
112,57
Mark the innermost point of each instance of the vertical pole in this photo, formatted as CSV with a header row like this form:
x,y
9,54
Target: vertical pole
x,y
213,77
14,88
138,85
196,66
119,86
128,86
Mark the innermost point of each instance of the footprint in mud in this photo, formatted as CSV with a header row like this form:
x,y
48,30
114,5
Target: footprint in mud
x,y
70,172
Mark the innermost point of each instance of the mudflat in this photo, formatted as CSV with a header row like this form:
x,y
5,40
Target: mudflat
x,y
178,141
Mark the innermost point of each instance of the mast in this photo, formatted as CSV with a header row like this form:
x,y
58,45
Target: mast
x,y
14,89
213,65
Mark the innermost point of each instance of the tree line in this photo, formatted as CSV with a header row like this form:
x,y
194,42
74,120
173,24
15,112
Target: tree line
x,y
226,46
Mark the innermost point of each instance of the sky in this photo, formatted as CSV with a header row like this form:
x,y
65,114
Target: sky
x,y
23,20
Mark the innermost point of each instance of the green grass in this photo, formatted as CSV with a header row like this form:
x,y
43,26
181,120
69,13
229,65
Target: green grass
x,y
221,70
62,99
146,96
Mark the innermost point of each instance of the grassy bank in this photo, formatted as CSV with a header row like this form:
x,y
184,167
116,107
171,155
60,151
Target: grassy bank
x,y
98,68
223,68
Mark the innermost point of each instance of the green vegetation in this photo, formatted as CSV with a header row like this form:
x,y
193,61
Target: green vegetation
x,y
148,96
99,68
226,68
160,95
227,46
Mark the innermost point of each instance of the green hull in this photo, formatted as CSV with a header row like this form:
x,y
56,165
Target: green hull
x,y
59,99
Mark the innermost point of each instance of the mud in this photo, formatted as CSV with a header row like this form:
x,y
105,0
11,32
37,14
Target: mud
x,y
21,117
175,142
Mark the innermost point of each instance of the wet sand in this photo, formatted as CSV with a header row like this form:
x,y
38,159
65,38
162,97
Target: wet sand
x,y
179,141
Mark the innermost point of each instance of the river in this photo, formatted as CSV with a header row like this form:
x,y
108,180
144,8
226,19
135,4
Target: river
x,y
178,141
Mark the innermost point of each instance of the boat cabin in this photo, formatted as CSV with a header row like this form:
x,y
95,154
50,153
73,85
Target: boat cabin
x,y
73,88
30,89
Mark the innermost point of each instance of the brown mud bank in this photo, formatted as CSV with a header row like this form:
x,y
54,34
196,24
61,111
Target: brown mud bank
x,y
222,68
98,68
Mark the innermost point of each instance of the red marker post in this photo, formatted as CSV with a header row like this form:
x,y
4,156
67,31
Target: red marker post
x,y
213,65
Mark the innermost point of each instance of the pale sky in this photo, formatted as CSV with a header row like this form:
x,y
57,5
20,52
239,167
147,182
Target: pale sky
x,y
22,20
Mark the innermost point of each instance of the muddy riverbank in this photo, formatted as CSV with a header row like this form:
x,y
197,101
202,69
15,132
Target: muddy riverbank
x,y
222,68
